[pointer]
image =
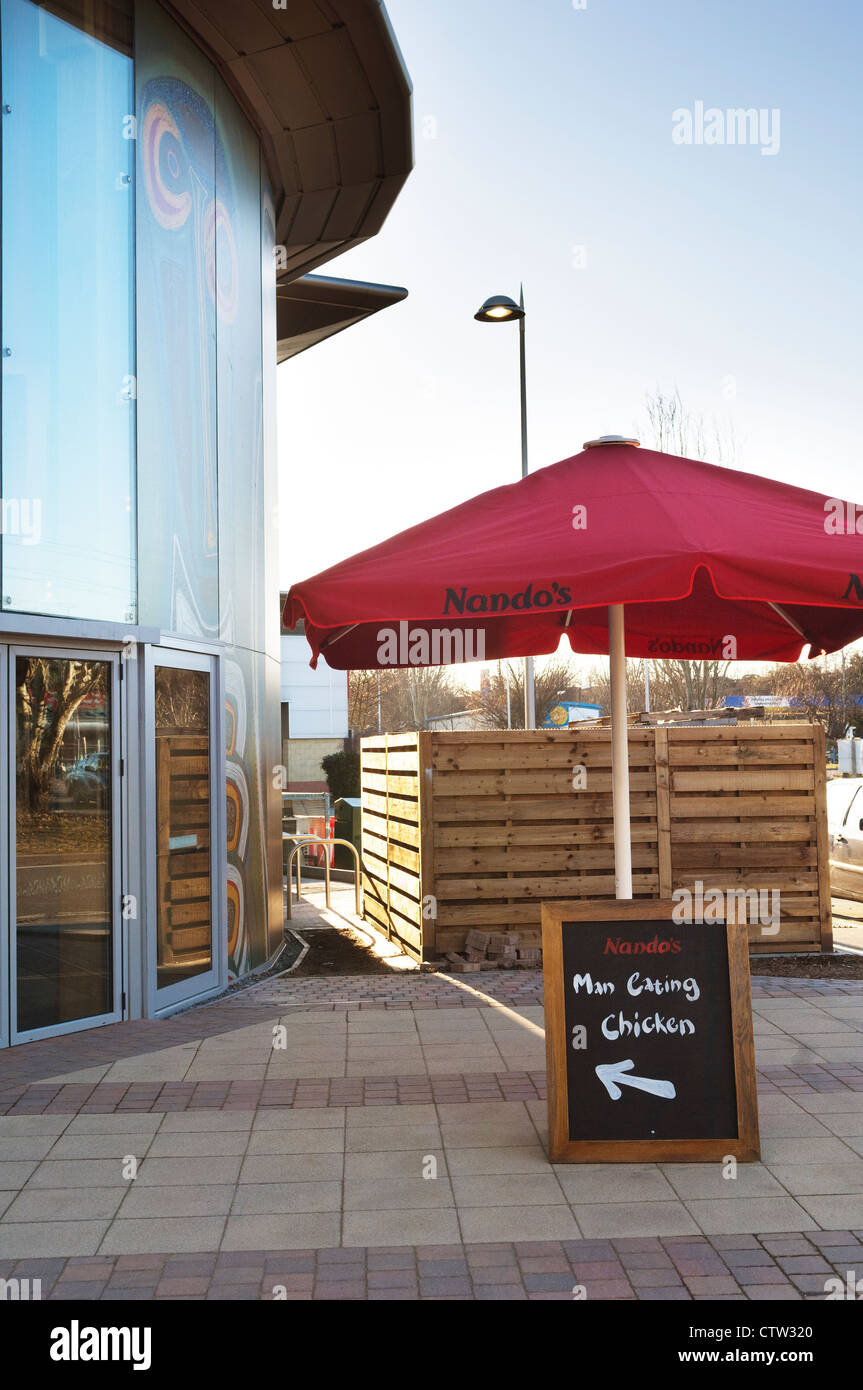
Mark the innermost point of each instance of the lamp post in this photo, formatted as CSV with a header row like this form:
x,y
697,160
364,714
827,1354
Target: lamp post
x,y
501,309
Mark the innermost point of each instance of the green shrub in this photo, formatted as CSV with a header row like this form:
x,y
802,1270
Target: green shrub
x,y
342,771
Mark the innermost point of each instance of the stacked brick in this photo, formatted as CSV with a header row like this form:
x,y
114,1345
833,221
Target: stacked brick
x,y
485,950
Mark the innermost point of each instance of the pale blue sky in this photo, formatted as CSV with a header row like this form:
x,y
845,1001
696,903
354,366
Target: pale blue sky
x,y
541,128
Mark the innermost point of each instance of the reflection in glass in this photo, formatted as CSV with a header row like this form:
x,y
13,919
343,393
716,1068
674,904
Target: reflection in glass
x,y
68,329
62,841
184,931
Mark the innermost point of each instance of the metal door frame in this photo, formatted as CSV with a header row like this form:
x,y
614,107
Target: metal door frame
x,y
112,659
158,1001
5,855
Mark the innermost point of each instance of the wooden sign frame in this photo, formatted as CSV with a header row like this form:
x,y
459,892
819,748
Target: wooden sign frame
x,y
745,1145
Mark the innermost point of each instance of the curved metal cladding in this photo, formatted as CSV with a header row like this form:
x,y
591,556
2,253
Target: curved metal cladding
x,y
206,457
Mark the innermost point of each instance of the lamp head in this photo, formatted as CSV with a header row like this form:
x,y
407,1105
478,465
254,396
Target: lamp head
x,y
499,309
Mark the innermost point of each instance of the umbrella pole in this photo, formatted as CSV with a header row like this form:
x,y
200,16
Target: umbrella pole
x,y
619,754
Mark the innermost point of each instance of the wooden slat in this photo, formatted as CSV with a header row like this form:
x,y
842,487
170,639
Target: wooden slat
x,y
764,804
399,854
758,831
573,886
562,754
404,810
732,755
505,858
190,767
397,784
396,927
784,879
399,878
506,915
392,762
763,733
451,809
179,913
713,856
742,780
188,888
663,813
427,848
192,938
545,834
400,831
822,840
409,908
528,782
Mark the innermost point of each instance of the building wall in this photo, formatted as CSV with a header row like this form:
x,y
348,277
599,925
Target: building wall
x,y
318,700
138,414
206,327
302,760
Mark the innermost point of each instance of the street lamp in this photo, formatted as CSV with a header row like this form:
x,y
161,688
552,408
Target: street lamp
x,y
501,309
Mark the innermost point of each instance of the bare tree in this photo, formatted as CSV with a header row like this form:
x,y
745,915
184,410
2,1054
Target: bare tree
x,y
182,701
689,684
672,428
363,688
408,697
49,693
599,680
819,688
550,679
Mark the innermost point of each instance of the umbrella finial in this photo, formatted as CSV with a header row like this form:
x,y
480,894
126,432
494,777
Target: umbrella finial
x,y
610,439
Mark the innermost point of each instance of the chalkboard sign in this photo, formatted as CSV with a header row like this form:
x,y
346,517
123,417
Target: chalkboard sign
x,y
648,1035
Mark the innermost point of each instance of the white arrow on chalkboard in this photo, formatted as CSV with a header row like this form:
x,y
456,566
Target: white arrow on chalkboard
x,y
613,1075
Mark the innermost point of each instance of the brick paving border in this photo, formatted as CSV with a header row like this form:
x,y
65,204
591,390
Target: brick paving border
x,y
48,1057
116,1097
157,1096
681,1268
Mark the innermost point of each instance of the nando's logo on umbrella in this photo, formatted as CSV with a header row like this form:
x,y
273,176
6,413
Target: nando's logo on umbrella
x,y
460,601
723,647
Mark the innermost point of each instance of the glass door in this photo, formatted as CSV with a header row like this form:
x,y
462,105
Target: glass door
x,y
184,951
64,872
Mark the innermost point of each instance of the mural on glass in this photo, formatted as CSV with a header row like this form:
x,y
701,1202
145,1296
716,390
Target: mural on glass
x,y
203,507
178,212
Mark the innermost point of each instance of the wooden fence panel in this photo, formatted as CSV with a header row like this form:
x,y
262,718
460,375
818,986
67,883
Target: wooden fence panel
x,y
390,837
746,812
476,829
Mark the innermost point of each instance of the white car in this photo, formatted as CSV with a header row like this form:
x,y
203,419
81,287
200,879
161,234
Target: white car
x,y
845,828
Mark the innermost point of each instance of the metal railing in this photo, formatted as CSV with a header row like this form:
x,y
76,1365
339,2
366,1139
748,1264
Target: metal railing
x,y
300,842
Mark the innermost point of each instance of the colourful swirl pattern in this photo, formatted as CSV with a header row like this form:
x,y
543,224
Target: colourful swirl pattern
x,y
220,260
165,167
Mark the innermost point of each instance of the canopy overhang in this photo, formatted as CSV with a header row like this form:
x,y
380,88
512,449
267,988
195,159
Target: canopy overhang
x,y
325,86
316,307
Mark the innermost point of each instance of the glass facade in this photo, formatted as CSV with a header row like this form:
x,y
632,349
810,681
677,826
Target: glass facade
x,y
137,486
180,218
63,841
67,472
